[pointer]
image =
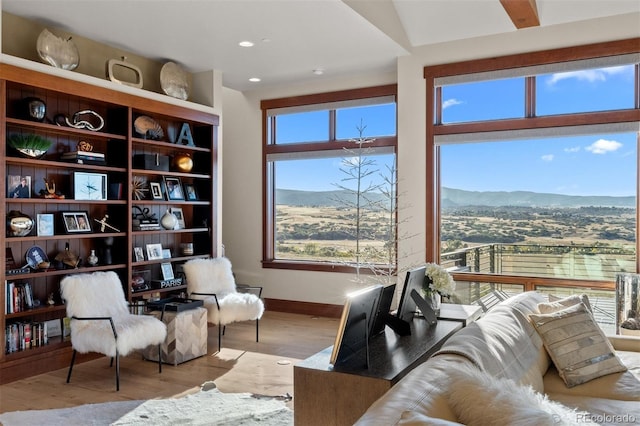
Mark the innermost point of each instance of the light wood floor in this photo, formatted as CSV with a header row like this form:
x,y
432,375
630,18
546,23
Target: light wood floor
x,y
243,365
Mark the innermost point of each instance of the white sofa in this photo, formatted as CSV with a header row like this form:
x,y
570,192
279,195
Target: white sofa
x,y
497,371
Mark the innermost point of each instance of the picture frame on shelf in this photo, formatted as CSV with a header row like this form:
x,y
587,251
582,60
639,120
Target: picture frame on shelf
x,y
190,193
173,189
75,222
90,186
18,186
177,212
156,191
154,251
167,271
44,224
166,253
138,254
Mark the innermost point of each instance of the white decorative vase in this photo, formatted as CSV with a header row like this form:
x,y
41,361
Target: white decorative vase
x,y
92,259
168,220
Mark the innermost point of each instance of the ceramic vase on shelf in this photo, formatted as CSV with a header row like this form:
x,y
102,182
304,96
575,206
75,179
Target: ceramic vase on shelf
x,y
168,220
92,260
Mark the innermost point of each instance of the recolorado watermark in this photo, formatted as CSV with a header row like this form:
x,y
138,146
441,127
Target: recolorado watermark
x,y
606,418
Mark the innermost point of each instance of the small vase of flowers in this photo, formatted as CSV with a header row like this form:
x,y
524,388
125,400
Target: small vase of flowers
x,y
437,283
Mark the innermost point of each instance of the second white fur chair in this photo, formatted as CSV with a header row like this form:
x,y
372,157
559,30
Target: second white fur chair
x,y
212,281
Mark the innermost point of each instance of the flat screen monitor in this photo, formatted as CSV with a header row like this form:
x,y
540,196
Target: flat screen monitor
x,y
407,307
356,322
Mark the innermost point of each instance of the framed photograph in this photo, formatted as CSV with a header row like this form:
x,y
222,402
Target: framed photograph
x,y
173,188
190,192
89,186
138,254
156,191
44,224
167,271
166,253
18,186
76,222
177,212
154,251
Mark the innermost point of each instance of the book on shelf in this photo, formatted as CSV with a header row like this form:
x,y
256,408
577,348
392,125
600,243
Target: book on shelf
x,y
82,157
87,154
20,336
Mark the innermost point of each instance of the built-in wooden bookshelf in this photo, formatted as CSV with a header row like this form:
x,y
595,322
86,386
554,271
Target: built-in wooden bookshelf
x,y
121,142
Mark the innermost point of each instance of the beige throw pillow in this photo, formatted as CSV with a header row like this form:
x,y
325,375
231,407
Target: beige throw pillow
x,y
577,346
556,303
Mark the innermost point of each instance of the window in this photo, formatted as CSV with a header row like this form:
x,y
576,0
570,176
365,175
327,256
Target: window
x,y
545,199
330,180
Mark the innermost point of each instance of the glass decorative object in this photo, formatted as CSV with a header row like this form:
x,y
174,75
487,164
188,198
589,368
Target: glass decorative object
x,y
57,51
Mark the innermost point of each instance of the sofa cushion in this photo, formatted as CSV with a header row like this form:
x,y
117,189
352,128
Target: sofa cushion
x,y
481,399
556,304
578,347
411,418
624,386
603,411
504,343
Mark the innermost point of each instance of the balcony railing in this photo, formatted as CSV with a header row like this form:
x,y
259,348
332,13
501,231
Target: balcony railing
x,y
543,268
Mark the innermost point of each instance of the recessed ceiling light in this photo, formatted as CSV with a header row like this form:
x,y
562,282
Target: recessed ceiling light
x,y
246,43
254,79
318,71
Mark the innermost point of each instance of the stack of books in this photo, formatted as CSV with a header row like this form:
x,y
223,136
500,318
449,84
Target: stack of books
x,y
84,157
145,225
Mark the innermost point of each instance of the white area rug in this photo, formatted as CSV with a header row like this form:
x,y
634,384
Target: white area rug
x,y
210,407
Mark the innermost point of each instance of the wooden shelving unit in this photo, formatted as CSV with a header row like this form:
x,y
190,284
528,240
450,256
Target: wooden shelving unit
x,y
120,142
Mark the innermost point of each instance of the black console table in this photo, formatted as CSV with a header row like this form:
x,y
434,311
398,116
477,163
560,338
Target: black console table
x,y
327,395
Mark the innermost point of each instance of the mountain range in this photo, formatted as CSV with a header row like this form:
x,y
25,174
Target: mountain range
x,y
452,198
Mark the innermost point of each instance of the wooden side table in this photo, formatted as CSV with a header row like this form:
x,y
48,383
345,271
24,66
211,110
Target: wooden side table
x,y
464,313
325,395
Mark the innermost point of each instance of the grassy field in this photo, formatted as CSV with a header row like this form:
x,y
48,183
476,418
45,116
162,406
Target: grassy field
x,y
328,233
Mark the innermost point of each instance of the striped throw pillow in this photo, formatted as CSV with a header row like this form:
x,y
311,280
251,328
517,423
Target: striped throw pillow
x,y
577,346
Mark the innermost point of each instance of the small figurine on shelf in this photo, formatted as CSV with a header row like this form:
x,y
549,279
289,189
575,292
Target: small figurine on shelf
x,y
108,243
105,225
51,300
50,191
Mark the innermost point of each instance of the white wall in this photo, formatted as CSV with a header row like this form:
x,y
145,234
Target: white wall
x,y
242,175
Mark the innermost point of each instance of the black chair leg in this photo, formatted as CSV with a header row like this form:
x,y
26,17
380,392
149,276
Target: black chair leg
x,y
117,370
257,325
219,336
111,362
73,359
160,358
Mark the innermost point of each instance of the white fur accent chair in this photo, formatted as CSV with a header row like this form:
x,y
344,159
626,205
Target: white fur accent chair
x,y
212,281
101,321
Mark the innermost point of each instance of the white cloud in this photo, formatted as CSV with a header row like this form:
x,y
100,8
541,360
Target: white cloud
x,y
603,146
572,149
547,157
590,76
450,102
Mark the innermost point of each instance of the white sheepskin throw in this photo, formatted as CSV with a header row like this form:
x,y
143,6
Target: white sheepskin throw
x,y
479,399
100,294
215,276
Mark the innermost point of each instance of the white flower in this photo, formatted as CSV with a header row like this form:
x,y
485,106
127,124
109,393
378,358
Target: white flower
x,y
441,280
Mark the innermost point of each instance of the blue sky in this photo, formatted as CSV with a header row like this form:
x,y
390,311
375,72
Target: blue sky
x,y
598,164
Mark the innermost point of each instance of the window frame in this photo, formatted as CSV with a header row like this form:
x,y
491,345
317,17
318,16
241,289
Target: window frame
x,y
332,144
500,64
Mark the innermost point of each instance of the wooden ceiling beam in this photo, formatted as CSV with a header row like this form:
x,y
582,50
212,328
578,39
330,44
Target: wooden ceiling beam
x,y
523,13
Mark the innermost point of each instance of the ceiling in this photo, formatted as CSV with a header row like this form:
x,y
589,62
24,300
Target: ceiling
x,y
292,38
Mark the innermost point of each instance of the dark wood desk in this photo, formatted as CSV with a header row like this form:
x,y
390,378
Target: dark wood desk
x,y
326,395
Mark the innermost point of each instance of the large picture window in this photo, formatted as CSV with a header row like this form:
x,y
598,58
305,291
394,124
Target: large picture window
x,y
536,172
330,162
